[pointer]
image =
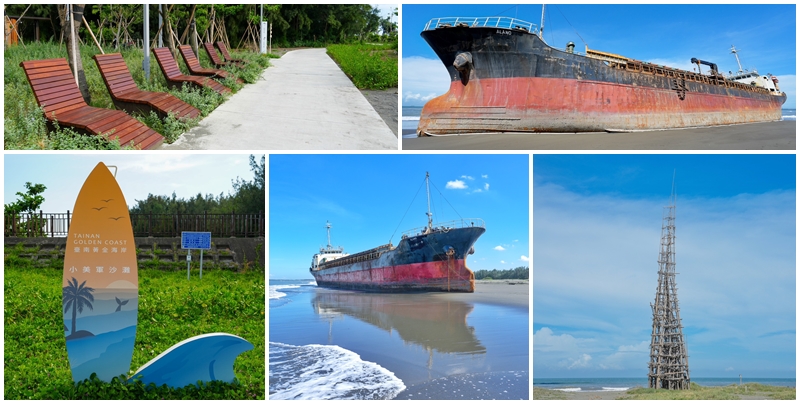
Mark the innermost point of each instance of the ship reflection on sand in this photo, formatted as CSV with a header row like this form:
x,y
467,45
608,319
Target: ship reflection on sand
x,y
434,324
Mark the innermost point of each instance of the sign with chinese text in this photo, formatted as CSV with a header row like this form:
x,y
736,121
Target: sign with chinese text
x,y
100,283
195,240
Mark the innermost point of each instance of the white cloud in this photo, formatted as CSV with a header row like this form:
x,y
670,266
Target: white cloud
x,y
486,186
485,176
729,369
499,248
456,184
502,262
467,177
581,362
524,258
618,239
423,79
788,84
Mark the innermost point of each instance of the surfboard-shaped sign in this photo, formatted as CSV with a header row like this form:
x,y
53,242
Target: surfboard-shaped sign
x,y
100,284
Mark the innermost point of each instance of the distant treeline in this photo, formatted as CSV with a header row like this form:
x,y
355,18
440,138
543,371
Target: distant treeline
x,y
290,24
516,273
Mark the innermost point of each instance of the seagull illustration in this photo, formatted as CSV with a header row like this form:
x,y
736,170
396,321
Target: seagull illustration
x,y
106,200
115,218
120,303
100,208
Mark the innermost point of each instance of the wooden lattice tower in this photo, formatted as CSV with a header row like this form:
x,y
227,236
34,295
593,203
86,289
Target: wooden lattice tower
x,y
669,361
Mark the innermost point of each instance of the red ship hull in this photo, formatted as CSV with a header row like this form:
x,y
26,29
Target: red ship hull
x,y
533,104
449,276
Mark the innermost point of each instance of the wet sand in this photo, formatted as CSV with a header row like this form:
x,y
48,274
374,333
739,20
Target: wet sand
x,y
756,136
474,345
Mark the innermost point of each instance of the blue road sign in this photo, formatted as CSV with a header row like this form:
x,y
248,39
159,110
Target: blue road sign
x,y
195,240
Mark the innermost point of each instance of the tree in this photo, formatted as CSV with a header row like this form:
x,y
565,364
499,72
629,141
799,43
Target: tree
x,y
27,202
66,31
77,297
250,196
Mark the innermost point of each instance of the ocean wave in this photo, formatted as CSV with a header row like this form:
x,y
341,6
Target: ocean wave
x,y
570,389
274,290
789,118
411,118
327,372
616,388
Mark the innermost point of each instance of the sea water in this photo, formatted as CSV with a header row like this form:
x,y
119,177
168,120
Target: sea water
x,y
333,344
623,384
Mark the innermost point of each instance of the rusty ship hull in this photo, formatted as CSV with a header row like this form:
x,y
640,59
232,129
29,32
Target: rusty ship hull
x,y
435,261
513,82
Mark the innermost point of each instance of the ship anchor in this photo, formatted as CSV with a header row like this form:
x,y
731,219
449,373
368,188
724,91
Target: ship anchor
x,y
680,88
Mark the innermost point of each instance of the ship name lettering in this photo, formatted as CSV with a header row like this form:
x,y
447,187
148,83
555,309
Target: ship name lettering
x,y
503,32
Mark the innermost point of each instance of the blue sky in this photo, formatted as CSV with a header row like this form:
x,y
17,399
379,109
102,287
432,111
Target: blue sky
x,y
138,175
365,198
597,224
668,35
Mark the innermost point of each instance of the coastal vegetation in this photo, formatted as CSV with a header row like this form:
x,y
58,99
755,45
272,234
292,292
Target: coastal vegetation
x,y
171,309
516,273
24,123
747,391
369,66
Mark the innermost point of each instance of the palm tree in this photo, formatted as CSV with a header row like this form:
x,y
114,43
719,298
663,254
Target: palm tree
x,y
77,297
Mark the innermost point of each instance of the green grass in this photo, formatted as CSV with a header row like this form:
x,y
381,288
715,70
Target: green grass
x,y
24,124
370,67
171,309
697,392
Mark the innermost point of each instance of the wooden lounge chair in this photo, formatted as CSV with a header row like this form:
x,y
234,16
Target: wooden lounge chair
x,y
224,50
194,65
127,96
55,90
174,77
212,54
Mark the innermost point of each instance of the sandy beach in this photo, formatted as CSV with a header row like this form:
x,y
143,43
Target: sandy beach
x,y
512,293
756,136
440,345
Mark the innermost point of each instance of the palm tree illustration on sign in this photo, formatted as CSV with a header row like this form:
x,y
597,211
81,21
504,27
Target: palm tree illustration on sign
x,y
77,297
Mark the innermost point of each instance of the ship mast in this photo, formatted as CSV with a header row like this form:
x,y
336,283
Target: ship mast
x,y
430,215
541,26
328,227
736,54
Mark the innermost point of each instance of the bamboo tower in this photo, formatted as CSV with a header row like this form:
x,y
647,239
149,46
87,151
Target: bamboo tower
x,y
669,361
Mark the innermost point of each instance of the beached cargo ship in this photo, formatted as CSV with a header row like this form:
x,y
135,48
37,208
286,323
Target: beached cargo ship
x,y
505,78
430,258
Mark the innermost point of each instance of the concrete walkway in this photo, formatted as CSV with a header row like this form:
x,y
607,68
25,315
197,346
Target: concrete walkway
x,y
302,102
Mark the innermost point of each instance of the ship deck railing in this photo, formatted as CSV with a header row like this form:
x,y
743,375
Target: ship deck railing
x,y
488,22
367,255
446,226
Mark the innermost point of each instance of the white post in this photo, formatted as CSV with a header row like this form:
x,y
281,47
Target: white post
x,y
188,265
161,31
146,42
201,264
262,37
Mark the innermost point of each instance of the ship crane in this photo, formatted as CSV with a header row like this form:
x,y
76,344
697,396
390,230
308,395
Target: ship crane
x,y
736,54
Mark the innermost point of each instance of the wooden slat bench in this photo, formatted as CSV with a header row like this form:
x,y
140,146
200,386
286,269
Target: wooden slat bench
x,y
55,90
212,54
127,96
174,77
224,50
194,65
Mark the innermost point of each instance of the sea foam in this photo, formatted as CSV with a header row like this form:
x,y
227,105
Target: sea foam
x,y
274,290
327,372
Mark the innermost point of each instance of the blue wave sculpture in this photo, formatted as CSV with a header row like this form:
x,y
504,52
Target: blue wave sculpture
x,y
206,358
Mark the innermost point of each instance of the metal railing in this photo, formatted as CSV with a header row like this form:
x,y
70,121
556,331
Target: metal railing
x,y
453,224
144,225
491,22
